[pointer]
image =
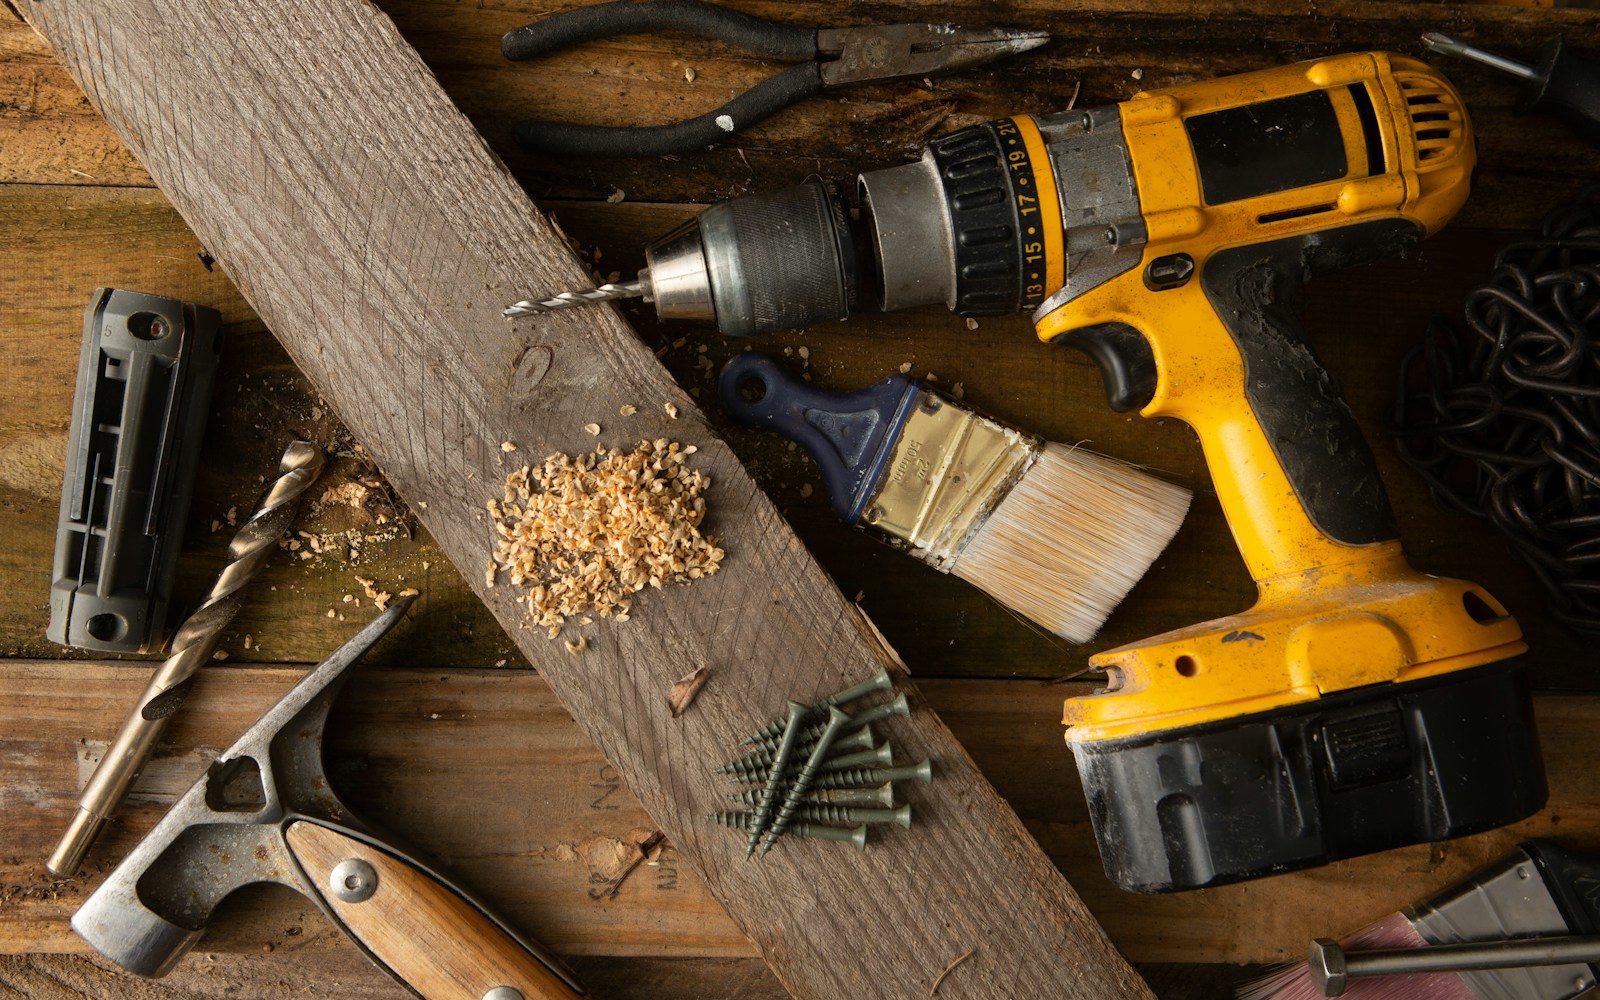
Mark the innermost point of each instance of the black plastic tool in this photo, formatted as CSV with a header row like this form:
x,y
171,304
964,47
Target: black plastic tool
x,y
1560,82
144,382
832,57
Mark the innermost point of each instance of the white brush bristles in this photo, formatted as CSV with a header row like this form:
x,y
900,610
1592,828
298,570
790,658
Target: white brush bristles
x,y
1073,536
1393,931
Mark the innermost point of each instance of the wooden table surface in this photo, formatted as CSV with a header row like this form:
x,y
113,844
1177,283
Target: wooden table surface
x,y
456,744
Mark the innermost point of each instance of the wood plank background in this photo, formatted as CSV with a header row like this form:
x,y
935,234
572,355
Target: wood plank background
x,y
77,210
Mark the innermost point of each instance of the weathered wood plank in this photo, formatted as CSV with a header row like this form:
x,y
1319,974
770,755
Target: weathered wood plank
x,y
289,973
61,241
48,134
484,771
377,236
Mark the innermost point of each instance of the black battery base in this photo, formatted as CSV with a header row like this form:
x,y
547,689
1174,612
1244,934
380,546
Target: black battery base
x,y
1352,773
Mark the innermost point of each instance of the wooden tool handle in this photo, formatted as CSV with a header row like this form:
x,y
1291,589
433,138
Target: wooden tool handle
x,y
421,929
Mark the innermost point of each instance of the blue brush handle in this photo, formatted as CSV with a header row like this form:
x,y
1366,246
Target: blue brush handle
x,y
850,435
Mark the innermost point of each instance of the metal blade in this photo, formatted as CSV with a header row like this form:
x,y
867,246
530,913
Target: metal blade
x,y
899,51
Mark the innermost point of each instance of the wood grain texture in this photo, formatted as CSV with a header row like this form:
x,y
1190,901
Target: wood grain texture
x,y
60,242
422,930
483,773
287,974
51,135
377,236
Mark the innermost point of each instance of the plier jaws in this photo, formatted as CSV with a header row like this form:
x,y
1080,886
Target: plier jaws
x,y
881,52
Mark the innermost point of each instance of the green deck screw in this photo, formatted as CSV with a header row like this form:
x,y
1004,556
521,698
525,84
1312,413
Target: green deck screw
x,y
741,821
856,777
780,764
881,795
820,813
879,756
835,725
880,681
860,739
899,706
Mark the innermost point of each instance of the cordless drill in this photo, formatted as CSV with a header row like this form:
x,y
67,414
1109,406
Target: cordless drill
x,y
1359,705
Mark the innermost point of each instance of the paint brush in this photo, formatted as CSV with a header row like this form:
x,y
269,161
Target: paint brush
x,y
1540,892
1056,533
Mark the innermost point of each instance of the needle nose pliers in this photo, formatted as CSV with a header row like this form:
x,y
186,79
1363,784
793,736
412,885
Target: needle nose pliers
x,y
829,57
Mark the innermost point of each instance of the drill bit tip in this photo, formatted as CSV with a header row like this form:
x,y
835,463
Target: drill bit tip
x,y
1438,41
608,292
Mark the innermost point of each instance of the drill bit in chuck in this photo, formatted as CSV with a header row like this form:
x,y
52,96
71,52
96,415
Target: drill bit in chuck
x,y
608,292
193,644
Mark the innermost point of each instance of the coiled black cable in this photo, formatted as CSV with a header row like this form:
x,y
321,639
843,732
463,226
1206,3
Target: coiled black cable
x,y
1502,419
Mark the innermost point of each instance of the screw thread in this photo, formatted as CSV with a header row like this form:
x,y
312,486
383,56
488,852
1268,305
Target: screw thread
x,y
880,681
877,713
837,720
878,795
780,764
825,813
858,777
742,821
860,739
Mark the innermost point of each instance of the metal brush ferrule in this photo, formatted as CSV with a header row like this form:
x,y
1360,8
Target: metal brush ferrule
x,y
949,470
1509,900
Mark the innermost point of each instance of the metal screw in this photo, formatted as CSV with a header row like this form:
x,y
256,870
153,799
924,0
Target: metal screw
x,y
836,723
857,777
741,821
877,713
353,880
880,681
881,795
780,764
879,756
861,739
821,813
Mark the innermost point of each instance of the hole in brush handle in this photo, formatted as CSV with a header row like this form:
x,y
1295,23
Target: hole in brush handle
x,y
851,436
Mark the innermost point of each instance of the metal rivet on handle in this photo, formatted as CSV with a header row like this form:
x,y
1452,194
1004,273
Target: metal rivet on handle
x,y
353,880
503,993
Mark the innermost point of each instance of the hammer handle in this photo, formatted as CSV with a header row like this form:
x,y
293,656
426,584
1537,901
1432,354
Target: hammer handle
x,y
421,929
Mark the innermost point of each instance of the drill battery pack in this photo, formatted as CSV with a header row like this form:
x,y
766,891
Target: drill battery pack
x,y
1355,772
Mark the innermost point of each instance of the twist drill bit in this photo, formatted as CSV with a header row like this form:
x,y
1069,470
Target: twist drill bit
x,y
819,813
880,681
877,713
608,292
869,795
837,720
860,739
741,821
193,644
857,777
775,775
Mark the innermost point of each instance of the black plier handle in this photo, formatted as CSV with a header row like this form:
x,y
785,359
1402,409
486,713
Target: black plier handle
x,y
829,56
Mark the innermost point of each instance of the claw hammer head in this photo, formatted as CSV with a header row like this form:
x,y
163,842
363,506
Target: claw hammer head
x,y
226,831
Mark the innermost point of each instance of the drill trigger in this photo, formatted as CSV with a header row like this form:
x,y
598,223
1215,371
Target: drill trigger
x,y
1127,365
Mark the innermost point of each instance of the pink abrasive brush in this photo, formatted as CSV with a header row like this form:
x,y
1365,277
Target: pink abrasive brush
x,y
1523,929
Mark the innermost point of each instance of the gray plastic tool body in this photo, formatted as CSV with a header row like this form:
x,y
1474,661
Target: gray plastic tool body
x,y
144,383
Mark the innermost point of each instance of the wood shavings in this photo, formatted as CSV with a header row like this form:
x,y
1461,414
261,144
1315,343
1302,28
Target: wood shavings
x,y
672,411
614,198
582,535
578,645
684,689
628,410
972,324
507,446
689,74
805,490
592,429
905,368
